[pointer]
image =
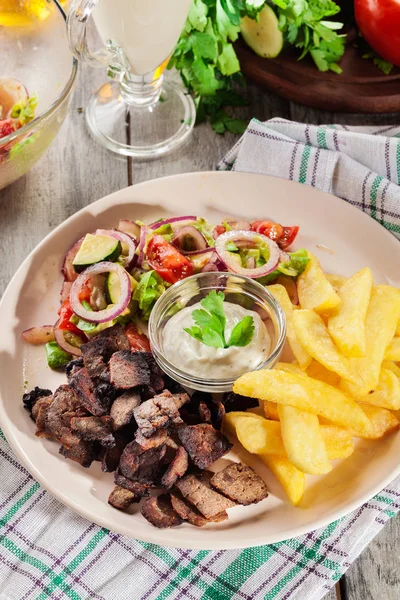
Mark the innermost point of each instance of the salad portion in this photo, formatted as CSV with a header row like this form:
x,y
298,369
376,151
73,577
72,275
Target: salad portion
x,y
17,108
115,276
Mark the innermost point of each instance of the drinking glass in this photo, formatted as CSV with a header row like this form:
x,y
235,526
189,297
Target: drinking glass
x,y
139,113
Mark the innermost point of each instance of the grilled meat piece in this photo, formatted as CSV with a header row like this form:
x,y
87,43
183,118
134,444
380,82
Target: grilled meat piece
x,y
159,512
202,408
176,469
139,489
234,402
196,489
122,498
189,513
116,337
82,453
94,429
122,409
203,443
44,401
173,386
96,353
154,441
240,483
84,389
30,398
142,465
52,419
158,412
73,367
204,413
128,370
156,375
111,456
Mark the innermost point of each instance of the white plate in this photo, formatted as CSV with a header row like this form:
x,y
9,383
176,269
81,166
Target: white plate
x,y
32,298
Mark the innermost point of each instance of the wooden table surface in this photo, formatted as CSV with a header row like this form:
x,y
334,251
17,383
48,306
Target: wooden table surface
x,y
75,171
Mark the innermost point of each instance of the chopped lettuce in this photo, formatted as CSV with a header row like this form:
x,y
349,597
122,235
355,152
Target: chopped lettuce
x,y
24,111
294,267
56,357
149,289
166,231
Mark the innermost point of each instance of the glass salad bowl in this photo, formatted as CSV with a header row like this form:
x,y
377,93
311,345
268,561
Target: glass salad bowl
x,y
238,290
37,72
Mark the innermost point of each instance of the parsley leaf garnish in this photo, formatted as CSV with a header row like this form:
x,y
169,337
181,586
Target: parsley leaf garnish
x,y
210,321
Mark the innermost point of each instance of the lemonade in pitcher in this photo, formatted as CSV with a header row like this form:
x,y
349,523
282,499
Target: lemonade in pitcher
x,y
18,13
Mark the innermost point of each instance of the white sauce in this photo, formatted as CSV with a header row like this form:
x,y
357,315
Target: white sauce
x,y
195,358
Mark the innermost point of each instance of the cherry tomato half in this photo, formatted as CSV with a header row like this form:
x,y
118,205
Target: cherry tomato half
x,y
138,341
379,23
170,264
288,236
268,228
218,230
65,314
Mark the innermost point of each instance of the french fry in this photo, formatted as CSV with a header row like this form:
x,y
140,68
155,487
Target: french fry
x,y
387,393
260,436
301,355
291,479
314,337
336,281
303,441
382,317
346,324
305,394
391,366
338,441
318,371
231,418
290,368
393,350
398,328
315,291
271,410
382,422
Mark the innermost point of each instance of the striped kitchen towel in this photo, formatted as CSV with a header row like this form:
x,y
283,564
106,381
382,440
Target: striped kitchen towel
x,y
48,552
359,164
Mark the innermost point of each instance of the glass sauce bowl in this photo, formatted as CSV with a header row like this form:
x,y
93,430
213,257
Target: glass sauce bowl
x,y
238,290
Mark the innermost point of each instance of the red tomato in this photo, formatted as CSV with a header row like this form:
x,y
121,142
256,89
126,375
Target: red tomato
x,y
170,264
65,314
7,126
218,230
84,294
138,341
379,22
288,236
268,228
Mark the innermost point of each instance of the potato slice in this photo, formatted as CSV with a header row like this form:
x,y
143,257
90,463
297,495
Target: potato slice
x,y
382,317
315,291
271,410
338,441
313,335
398,328
303,441
336,281
291,479
382,422
300,354
231,418
318,371
393,350
346,324
304,393
391,366
387,393
260,436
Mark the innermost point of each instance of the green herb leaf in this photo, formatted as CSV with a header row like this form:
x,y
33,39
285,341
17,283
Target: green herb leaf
x,y
293,268
209,327
149,289
382,64
56,357
242,333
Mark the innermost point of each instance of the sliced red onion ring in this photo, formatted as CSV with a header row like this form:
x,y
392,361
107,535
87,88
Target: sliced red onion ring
x,y
111,312
128,261
214,264
68,268
171,220
38,335
197,237
62,342
65,290
249,236
239,225
129,227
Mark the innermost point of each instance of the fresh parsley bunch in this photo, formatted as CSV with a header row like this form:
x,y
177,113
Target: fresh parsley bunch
x,y
207,61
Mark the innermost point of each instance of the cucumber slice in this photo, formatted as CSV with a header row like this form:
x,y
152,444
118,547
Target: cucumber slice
x,y
113,288
263,36
96,248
